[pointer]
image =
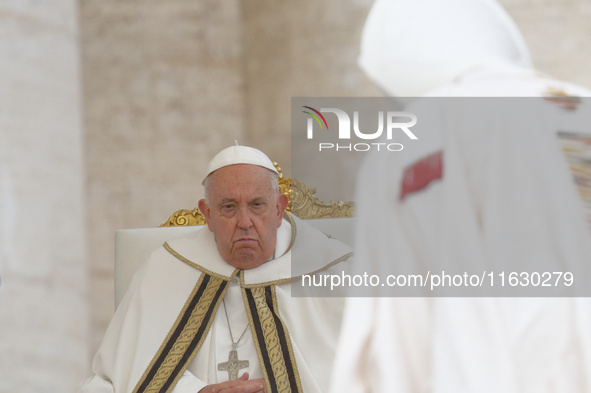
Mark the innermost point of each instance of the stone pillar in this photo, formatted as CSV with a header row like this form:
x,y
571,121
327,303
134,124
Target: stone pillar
x,y
163,92
298,49
302,49
43,309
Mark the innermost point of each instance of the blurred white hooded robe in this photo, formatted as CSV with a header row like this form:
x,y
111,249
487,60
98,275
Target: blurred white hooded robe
x,y
465,48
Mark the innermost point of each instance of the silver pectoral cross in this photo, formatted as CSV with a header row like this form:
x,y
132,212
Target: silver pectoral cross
x,y
233,365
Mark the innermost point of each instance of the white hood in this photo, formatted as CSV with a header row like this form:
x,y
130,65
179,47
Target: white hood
x,y
410,47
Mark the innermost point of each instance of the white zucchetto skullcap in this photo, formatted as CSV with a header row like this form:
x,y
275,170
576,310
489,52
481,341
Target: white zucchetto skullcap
x,y
239,155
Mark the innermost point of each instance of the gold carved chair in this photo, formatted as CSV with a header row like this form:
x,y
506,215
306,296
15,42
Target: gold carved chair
x,y
134,246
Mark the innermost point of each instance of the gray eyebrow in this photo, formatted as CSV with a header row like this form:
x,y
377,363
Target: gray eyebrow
x,y
255,199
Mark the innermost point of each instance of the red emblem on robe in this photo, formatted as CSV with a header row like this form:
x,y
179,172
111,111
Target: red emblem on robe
x,y
421,174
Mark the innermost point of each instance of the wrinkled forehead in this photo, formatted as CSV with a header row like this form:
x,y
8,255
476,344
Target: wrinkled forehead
x,y
240,180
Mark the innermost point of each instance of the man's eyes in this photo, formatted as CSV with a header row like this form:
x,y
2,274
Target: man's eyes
x,y
258,206
229,208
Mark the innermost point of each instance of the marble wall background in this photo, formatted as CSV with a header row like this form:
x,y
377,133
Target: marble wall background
x,y
44,335
110,110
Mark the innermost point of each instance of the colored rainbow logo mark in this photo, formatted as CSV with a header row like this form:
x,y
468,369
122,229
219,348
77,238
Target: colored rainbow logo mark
x,y
316,117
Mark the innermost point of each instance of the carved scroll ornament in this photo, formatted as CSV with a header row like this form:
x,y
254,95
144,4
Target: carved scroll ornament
x,y
302,202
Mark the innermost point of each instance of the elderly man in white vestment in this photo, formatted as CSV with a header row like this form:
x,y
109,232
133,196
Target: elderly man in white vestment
x,y
212,311
498,193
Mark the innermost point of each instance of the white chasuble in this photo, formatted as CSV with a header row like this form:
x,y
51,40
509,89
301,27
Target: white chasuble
x,y
171,333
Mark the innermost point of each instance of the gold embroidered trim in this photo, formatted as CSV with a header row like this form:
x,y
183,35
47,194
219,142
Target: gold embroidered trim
x,y
185,338
253,333
271,341
266,283
288,341
289,279
265,329
197,266
331,264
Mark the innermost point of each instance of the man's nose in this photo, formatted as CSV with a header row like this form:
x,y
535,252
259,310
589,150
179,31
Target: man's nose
x,y
244,220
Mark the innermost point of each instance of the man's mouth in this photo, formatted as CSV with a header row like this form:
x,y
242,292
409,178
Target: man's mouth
x,y
245,239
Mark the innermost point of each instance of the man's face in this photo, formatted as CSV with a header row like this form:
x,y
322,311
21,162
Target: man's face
x,y
243,212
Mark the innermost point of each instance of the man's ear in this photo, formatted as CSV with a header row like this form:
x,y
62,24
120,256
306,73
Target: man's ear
x,y
204,208
282,202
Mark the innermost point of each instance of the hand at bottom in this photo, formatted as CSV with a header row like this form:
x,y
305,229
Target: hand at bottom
x,y
240,385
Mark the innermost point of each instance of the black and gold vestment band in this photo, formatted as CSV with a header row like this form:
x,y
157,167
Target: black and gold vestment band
x,y
272,340
270,336
185,337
